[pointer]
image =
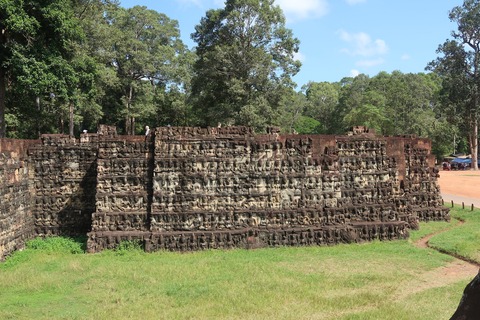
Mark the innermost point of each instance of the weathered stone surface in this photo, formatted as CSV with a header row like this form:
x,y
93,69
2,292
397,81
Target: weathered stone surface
x,y
469,307
197,188
65,179
16,222
227,187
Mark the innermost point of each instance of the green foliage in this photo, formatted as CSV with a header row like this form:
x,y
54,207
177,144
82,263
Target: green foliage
x,y
464,239
323,105
291,108
459,68
16,258
366,115
13,124
392,104
173,109
37,40
70,65
307,125
245,60
50,245
57,245
146,54
129,247
73,64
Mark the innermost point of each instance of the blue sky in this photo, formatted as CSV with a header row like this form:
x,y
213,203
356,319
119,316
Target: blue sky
x,y
341,38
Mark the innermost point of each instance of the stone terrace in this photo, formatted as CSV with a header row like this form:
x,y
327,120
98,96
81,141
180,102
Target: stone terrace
x,y
190,188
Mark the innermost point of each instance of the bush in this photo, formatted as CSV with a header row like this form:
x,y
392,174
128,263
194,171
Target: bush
x,y
57,245
129,246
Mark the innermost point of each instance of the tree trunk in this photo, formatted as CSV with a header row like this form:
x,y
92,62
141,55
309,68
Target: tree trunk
x,y
128,118
127,125
474,145
473,136
70,124
39,128
3,89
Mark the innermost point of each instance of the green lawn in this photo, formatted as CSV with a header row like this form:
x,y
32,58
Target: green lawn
x,y
464,239
379,280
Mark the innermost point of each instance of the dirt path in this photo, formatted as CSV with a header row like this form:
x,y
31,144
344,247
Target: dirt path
x,y
455,271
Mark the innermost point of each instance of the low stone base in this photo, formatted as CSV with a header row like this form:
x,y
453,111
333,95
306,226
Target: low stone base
x,y
250,238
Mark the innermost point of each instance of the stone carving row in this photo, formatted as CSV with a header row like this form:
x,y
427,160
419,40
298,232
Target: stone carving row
x,y
195,221
250,238
119,221
197,132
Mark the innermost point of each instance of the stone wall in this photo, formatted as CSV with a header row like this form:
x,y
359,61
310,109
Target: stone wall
x,y
198,188
64,179
16,223
123,196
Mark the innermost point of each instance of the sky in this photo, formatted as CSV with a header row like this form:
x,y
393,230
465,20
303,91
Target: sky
x,y
343,38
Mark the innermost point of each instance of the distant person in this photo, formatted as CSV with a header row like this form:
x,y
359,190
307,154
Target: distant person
x,y
147,132
445,165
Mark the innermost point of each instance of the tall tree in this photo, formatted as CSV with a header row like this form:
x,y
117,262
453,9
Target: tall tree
x,y
291,114
36,49
406,96
370,113
323,99
459,67
84,104
146,53
245,59
352,93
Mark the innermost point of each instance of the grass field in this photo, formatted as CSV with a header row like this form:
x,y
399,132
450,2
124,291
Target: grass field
x,y
378,280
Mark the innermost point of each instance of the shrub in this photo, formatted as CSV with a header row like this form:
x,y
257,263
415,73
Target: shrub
x,y
129,246
57,245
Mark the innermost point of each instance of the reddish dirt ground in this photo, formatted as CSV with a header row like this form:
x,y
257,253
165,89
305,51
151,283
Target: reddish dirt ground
x,y
463,183
460,186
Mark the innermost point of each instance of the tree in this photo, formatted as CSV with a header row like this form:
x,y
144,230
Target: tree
x,y
84,107
323,99
406,96
367,115
245,59
146,51
291,113
459,67
36,47
352,96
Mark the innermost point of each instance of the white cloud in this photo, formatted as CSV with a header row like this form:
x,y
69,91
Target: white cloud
x,y
361,44
354,73
354,2
369,63
299,56
405,57
293,10
303,9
